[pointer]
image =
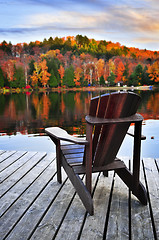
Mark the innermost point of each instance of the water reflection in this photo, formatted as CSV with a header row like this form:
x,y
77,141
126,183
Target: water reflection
x,y
30,114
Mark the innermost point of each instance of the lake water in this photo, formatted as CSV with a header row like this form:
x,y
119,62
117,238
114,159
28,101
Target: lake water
x,y
23,118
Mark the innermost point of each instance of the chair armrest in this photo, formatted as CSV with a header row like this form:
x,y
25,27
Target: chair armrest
x,y
98,121
61,134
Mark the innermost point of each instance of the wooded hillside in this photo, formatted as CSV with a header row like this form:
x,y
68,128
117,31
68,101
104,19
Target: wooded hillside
x,y
76,61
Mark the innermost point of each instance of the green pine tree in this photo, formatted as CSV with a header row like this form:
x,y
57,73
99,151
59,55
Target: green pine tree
x,y
68,79
111,79
53,80
1,78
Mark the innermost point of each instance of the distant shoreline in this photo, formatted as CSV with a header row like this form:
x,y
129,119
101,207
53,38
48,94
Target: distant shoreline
x,y
60,89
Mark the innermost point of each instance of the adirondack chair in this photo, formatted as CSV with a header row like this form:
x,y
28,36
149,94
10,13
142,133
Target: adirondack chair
x,y
107,123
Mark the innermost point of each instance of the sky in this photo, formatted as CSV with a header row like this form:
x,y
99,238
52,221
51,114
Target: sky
x,y
131,23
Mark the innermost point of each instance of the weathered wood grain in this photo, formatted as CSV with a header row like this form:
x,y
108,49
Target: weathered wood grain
x,y
94,225
52,220
152,178
2,151
11,159
141,224
118,223
5,155
25,194
34,206
17,164
74,217
11,181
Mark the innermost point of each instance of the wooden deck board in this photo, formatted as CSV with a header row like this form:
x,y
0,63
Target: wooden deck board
x,y
33,205
152,178
140,215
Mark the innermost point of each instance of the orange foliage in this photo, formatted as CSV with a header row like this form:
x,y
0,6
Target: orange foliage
x,y
119,70
61,71
77,73
46,106
8,69
11,111
34,78
153,71
100,68
35,100
62,104
44,74
153,105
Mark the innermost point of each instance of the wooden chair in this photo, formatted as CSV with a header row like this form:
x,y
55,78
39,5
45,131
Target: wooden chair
x,y
107,123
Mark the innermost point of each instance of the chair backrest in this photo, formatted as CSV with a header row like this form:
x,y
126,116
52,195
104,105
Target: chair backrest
x,y
108,139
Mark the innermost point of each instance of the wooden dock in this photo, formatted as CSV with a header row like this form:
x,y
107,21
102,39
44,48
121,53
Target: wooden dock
x,y
34,206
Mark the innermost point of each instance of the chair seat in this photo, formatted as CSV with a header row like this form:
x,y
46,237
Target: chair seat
x,y
74,153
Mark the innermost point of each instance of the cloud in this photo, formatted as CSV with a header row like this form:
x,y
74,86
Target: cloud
x,y
128,21
146,40
66,19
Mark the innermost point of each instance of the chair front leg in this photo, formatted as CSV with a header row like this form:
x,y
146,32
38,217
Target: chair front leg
x,y
136,155
58,158
58,162
88,161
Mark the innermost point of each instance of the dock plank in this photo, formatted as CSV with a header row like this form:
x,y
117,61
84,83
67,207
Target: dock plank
x,y
11,159
94,225
55,214
18,164
75,216
16,177
33,205
5,155
2,151
31,191
141,224
152,178
118,223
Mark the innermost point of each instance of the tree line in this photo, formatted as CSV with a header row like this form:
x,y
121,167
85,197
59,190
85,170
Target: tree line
x,y
76,62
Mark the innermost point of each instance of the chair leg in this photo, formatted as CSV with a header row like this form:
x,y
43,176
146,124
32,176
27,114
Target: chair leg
x,y
79,186
139,190
58,162
105,173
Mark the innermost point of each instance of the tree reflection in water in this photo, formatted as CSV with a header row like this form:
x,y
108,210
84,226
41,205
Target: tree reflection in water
x,y
23,114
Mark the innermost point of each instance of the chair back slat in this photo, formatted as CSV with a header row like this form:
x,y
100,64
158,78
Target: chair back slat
x,y
107,139
100,112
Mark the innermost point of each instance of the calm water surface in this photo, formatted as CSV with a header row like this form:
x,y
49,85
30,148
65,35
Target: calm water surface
x,y
23,118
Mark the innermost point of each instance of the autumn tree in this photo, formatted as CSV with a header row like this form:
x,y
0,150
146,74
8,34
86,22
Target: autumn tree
x,y
153,71
99,66
61,71
119,70
9,70
44,74
78,73
36,74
